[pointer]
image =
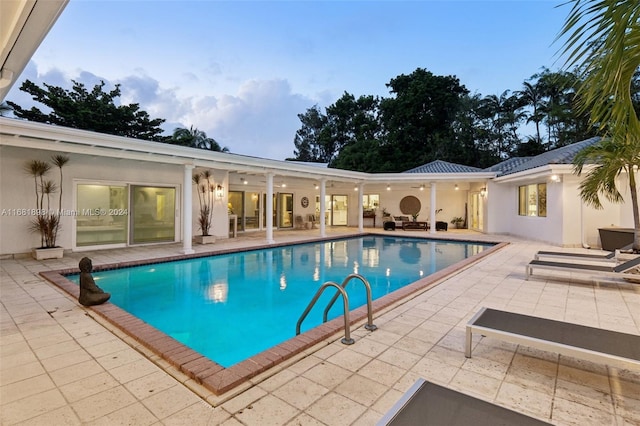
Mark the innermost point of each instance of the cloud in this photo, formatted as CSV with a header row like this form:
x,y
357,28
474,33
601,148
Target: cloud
x,y
259,120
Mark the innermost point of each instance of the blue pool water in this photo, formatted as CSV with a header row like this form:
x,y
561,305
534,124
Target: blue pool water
x,y
230,307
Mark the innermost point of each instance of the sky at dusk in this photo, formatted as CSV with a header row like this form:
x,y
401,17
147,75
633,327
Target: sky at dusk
x,y
242,71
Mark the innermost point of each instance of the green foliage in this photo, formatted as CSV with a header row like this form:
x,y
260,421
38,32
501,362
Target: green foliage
x,y
603,39
46,220
95,110
194,138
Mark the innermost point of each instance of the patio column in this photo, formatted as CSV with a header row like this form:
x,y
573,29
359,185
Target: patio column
x,y
360,208
323,191
432,213
269,209
187,210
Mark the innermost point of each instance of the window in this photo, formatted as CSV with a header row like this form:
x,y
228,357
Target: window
x,y
532,200
370,201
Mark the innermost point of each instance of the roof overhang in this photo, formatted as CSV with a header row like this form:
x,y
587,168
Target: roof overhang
x,y
26,134
23,26
543,172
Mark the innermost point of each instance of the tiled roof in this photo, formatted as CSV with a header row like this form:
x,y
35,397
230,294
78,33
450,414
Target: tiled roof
x,y
440,166
563,155
506,165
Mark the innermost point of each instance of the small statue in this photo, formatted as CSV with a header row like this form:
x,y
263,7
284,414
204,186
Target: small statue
x,y
90,293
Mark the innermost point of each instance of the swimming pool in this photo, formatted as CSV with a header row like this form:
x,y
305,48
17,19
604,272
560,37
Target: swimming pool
x,y
230,307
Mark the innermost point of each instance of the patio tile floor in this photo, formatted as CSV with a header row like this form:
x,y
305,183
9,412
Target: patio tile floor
x,y
60,366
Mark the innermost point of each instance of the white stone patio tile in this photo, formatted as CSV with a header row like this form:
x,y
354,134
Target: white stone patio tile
x,y
100,404
434,371
65,360
20,372
243,400
169,401
75,372
277,380
446,356
526,400
327,374
596,380
133,370
134,414
87,386
31,407
386,402
361,389
475,383
267,411
300,392
369,417
584,395
61,348
336,410
399,358
415,346
63,416
24,388
349,359
382,372
369,347
305,364
21,359
572,413
305,420
120,358
198,414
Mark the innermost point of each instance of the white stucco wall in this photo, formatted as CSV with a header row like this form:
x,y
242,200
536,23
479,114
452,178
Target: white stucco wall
x,y
18,190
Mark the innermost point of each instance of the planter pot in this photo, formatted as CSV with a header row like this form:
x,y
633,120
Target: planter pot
x,y
615,238
48,253
205,239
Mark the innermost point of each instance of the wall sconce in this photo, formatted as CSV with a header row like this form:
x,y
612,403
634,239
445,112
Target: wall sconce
x,y
219,191
355,188
555,178
388,187
483,192
244,181
316,186
421,187
456,187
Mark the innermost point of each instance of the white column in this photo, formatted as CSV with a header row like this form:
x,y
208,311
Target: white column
x,y
187,210
269,209
432,217
360,208
323,207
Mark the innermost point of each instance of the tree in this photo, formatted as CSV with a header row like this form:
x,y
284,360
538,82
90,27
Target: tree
x,y
312,139
419,118
194,138
603,39
95,110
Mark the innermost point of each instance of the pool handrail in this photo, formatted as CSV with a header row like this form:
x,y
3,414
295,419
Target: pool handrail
x,y
347,323
370,325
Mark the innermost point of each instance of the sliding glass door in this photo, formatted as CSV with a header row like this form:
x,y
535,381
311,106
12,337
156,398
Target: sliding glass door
x,y
153,218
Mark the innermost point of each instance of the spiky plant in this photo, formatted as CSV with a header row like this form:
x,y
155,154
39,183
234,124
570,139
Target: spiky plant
x,y
205,189
46,220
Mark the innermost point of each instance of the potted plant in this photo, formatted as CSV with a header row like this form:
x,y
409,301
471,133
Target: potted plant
x,y
458,222
46,218
206,195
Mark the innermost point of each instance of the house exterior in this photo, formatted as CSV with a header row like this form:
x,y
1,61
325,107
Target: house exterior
x,y
120,192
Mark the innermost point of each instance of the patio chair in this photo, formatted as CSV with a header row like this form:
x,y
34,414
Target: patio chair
x,y
426,403
604,257
299,222
597,271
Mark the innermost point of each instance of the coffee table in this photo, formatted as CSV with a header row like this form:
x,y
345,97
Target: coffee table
x,y
415,225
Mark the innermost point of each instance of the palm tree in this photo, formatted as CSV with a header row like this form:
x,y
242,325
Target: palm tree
x,y
603,40
194,138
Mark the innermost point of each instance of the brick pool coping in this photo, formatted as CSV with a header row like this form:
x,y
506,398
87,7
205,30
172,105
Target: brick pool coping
x,y
208,373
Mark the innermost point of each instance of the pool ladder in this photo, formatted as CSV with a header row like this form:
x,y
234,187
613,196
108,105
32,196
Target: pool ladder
x,y
345,300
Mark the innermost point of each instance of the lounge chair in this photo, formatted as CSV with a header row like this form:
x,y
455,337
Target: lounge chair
x,y
426,403
597,271
591,257
593,344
